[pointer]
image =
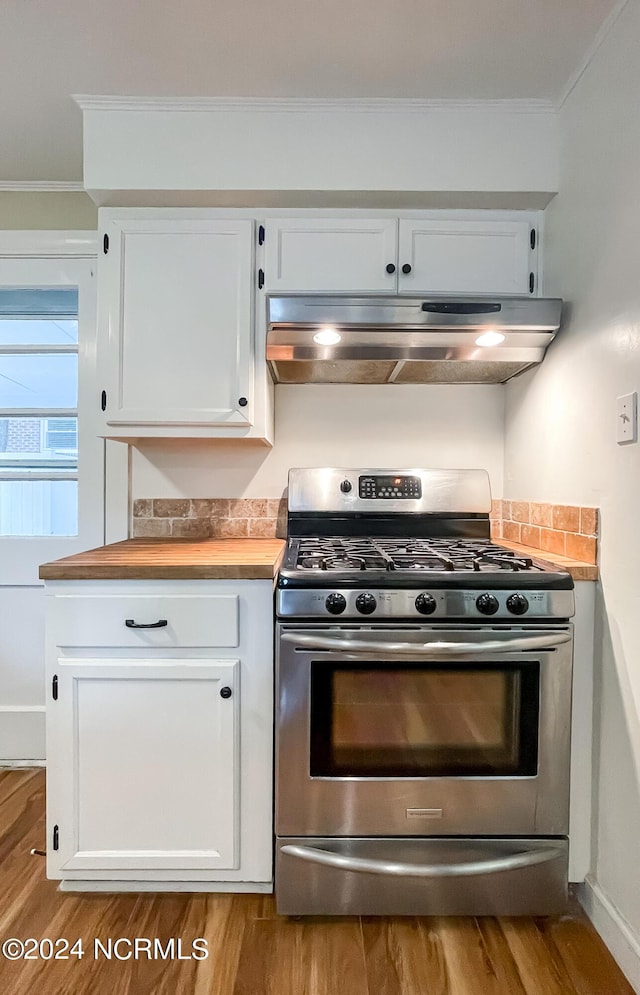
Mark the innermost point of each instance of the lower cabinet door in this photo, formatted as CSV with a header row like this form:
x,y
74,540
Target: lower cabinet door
x,y
143,766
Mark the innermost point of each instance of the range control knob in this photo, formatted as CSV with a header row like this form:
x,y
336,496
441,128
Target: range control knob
x,y
366,603
336,604
517,604
426,604
487,604
345,486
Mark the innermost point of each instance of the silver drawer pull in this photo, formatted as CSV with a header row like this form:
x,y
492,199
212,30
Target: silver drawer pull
x,y
131,624
402,869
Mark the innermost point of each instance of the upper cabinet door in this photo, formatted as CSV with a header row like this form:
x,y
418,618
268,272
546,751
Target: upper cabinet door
x,y
331,255
467,257
175,307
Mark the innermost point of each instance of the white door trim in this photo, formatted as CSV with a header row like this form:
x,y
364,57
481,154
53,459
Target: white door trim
x,y
22,726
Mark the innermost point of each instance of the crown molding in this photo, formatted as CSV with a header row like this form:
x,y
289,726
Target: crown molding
x,y
605,28
41,186
380,105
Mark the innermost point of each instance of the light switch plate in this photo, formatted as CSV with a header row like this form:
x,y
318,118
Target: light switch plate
x,y
627,418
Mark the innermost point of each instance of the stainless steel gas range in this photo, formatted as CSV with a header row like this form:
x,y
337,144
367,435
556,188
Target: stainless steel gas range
x,y
423,703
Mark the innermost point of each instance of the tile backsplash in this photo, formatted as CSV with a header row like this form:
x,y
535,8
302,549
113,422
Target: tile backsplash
x,y
557,528
203,518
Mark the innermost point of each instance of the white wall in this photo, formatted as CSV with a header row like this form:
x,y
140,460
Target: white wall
x,y
560,439
391,425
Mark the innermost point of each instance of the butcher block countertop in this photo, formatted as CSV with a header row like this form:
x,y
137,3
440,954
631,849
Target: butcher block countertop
x,y
220,559
577,569
171,559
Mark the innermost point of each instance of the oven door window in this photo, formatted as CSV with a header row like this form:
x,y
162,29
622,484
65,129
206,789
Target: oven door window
x,y
461,720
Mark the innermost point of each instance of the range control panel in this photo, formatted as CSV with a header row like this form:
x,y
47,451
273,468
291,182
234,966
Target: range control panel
x,y
436,605
389,487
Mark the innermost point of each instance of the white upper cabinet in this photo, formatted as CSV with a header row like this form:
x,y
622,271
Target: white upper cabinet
x,y
331,255
466,257
175,305
405,256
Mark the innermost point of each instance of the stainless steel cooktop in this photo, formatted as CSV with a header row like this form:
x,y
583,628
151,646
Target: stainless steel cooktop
x,y
388,543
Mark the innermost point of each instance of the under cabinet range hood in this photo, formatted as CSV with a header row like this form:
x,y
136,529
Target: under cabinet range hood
x,y
433,339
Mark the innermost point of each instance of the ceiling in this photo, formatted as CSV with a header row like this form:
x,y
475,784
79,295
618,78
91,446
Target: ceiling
x,y
429,49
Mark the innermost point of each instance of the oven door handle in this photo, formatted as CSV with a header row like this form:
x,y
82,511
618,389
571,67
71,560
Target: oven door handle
x,y
400,868
435,649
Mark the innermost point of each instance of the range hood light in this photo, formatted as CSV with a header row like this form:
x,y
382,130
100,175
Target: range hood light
x,y
490,338
327,336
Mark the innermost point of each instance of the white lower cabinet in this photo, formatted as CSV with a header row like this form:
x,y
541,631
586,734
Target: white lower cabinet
x,y
158,741
159,756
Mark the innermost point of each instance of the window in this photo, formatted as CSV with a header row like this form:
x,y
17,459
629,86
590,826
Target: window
x,y
61,437
38,412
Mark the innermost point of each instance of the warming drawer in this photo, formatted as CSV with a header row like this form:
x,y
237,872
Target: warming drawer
x,y
408,876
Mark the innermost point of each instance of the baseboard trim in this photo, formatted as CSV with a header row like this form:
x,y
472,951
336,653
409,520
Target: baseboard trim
x,y
616,932
225,887
21,764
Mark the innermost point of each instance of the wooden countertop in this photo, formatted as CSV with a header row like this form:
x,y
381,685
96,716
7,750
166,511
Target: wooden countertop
x,y
221,559
169,559
577,569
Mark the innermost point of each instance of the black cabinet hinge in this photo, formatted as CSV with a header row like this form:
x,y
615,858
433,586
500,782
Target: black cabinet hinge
x,y
56,839
260,279
531,282
532,238
54,687
261,235
105,244
103,400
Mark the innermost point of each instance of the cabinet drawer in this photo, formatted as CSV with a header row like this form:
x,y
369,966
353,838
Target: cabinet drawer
x,y
101,620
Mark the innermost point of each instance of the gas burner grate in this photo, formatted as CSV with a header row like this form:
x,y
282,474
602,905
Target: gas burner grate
x,y
415,555
504,562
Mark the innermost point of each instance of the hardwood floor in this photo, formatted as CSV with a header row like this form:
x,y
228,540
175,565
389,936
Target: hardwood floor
x,y
252,951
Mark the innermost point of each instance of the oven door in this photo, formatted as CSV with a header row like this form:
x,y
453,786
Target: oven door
x,y
423,731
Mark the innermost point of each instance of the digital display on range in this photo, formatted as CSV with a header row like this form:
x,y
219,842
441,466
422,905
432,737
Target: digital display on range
x,y
394,488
